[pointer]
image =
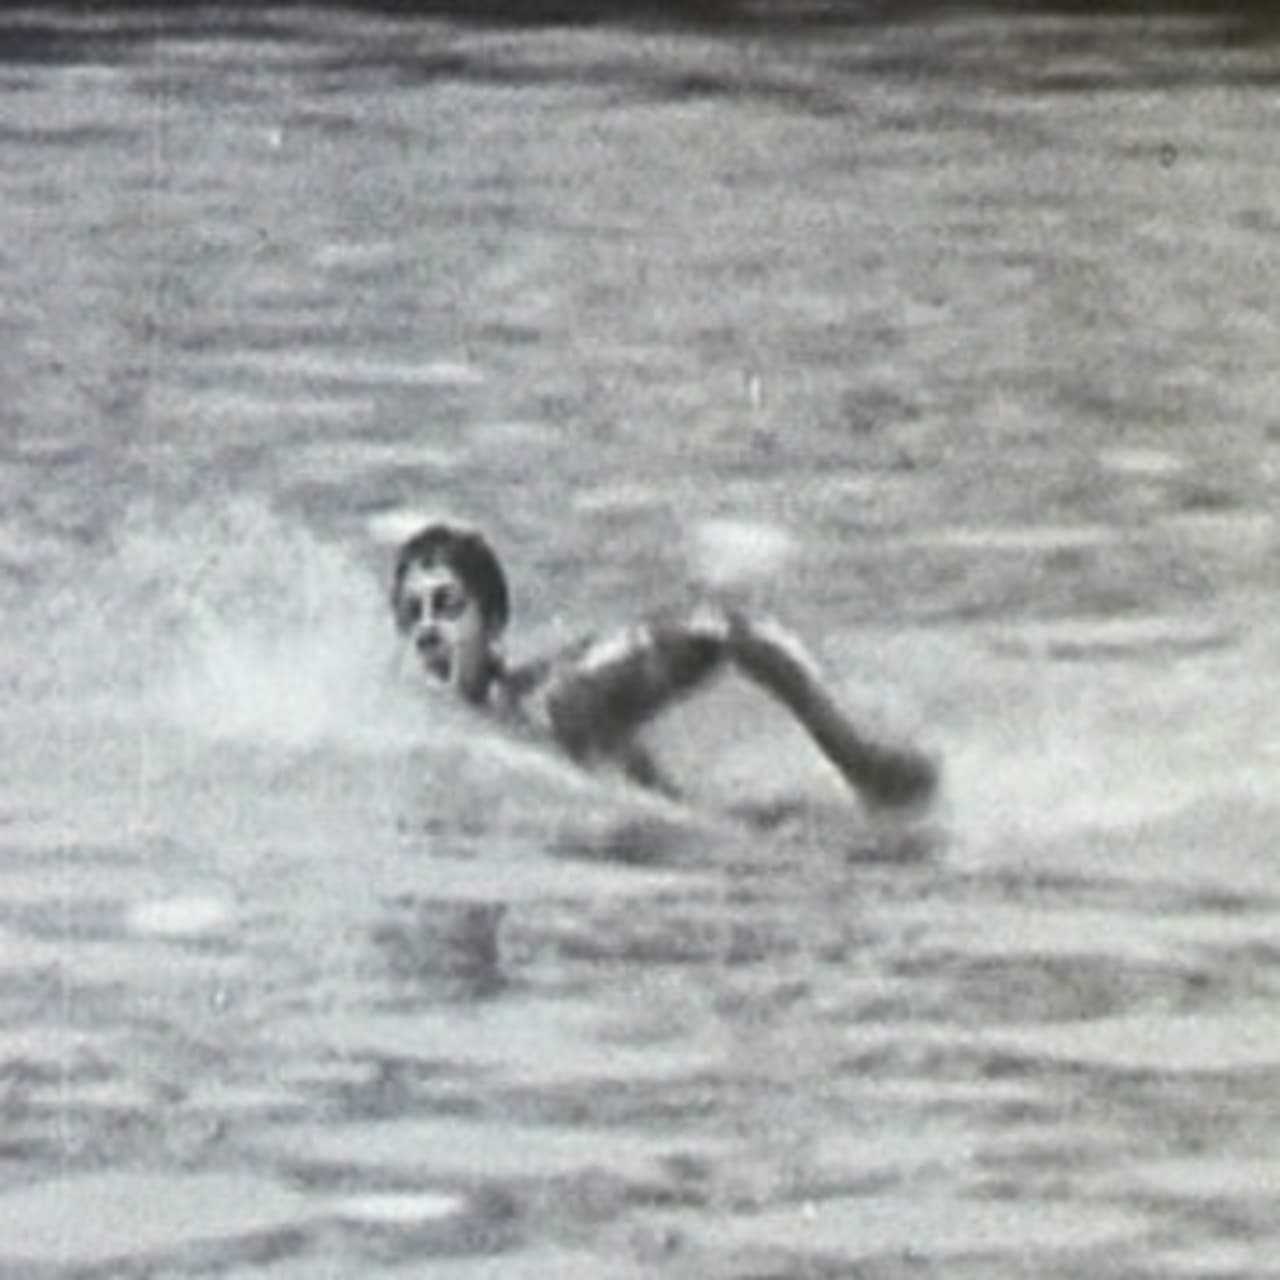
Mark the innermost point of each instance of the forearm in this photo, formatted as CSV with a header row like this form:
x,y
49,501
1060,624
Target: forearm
x,y
883,772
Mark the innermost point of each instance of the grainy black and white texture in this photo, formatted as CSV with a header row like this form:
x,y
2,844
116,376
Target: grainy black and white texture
x,y
949,338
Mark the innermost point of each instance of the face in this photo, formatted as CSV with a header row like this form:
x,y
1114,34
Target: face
x,y
444,623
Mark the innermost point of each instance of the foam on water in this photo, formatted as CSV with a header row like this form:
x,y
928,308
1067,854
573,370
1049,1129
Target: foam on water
x,y
230,622
726,553
181,918
1115,745
231,637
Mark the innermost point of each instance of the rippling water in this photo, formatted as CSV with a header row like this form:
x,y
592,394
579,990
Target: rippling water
x,y
953,341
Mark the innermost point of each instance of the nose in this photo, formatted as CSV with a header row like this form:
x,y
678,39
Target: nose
x,y
429,639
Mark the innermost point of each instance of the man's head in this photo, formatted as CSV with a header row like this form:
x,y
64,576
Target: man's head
x,y
450,599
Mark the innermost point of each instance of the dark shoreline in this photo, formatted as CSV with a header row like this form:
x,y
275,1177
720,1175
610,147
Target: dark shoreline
x,y
79,29
1258,15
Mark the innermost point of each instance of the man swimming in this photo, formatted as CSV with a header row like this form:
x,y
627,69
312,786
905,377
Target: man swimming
x,y
451,603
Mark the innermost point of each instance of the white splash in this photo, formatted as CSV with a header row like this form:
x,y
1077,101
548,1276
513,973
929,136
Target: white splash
x,y
229,621
395,525
726,553
179,918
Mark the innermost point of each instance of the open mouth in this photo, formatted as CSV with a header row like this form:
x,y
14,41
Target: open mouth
x,y
438,664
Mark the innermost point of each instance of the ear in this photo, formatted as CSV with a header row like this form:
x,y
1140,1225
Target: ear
x,y
497,660
397,583
396,598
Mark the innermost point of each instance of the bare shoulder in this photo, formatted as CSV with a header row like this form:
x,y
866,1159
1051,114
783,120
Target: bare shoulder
x,y
595,694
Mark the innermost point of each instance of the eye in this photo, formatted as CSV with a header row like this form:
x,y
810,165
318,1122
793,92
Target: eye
x,y
448,601
410,611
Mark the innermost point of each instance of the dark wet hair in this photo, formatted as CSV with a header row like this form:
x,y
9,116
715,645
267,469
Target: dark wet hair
x,y
470,556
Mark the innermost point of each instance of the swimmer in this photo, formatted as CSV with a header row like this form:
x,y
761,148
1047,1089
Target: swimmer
x,y
451,603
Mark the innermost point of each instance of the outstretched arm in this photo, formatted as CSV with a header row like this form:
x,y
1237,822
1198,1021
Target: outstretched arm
x,y
882,772
597,700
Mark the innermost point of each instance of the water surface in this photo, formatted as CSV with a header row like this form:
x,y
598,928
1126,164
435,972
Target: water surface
x,y
952,341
